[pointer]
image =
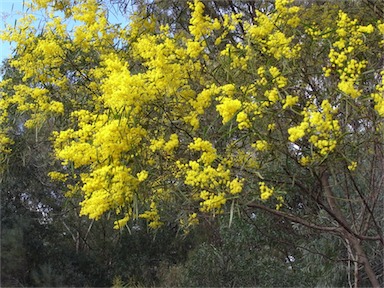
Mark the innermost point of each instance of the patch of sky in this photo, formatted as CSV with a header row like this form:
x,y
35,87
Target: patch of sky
x,y
9,13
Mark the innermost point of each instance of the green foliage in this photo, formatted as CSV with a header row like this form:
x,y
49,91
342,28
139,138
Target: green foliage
x,y
13,257
45,276
250,254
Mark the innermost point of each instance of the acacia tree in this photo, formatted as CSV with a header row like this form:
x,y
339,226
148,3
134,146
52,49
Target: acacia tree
x,y
168,124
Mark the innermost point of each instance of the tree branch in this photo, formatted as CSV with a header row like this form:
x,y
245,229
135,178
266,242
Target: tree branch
x,y
295,219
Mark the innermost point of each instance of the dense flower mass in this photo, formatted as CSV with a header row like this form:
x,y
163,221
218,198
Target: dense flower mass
x,y
155,117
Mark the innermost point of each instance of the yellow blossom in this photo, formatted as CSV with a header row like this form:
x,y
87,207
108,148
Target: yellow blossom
x,y
261,145
265,191
235,186
242,119
352,166
58,176
118,224
290,101
172,143
272,95
228,108
152,216
142,176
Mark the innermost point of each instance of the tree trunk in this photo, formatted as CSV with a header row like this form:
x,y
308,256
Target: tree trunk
x,y
347,230
361,257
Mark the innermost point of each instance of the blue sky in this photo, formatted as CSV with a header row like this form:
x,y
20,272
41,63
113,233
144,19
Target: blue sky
x,y
8,14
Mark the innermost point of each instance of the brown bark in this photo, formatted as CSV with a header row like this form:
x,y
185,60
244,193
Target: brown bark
x,y
362,258
347,232
295,218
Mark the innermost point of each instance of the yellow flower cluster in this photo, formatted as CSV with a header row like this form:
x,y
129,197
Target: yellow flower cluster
x,y
277,78
42,3
352,166
280,201
350,40
58,176
119,224
268,31
133,98
228,108
380,27
169,146
213,183
142,176
235,186
290,101
261,145
239,55
242,120
201,102
5,141
265,191
297,132
261,73
209,181
316,33
152,216
102,144
209,152
320,126
95,30
272,95
105,188
204,176
37,101
378,96
201,25
212,202
188,221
